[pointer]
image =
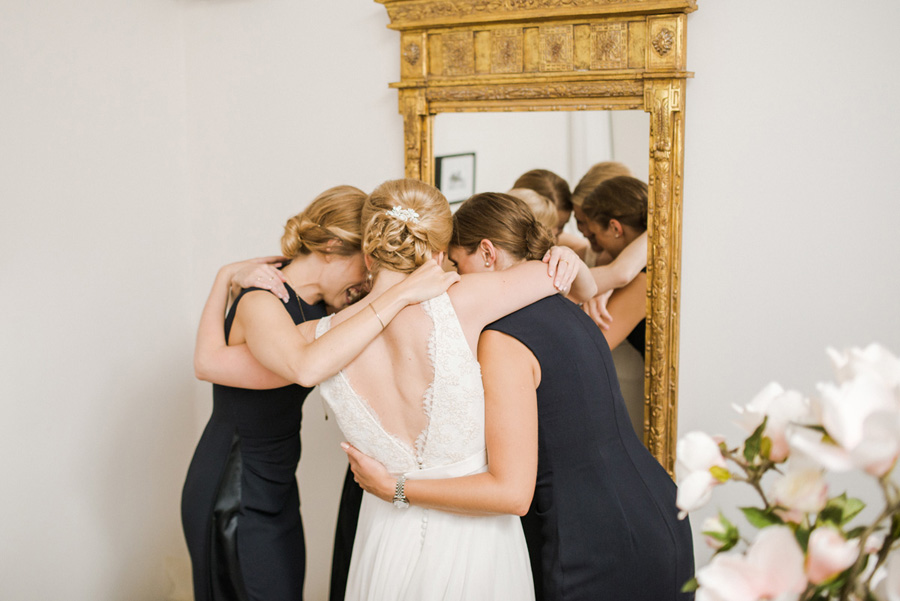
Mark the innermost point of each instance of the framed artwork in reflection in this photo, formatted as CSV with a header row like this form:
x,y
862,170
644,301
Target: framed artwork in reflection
x,y
455,176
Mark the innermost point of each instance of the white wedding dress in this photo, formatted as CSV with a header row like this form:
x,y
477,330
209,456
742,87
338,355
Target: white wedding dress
x,y
418,554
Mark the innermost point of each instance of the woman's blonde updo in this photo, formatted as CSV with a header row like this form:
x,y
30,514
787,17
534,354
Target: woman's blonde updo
x,y
335,214
595,176
621,198
402,240
504,220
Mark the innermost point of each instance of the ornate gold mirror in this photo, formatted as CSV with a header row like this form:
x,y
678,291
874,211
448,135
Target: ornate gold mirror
x,y
566,55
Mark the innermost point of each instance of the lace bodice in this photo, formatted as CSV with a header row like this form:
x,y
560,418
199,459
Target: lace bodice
x,y
454,403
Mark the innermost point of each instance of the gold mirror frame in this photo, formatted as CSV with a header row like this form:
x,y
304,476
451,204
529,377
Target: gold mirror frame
x,y
566,55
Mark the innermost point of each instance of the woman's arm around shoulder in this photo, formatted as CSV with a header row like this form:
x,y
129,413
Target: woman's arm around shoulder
x,y
482,298
214,360
511,376
282,348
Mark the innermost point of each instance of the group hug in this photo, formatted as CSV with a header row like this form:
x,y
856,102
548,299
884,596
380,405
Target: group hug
x,y
466,358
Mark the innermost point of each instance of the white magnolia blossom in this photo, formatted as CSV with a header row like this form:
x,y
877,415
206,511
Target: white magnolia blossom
x,y
862,419
829,554
783,408
798,492
873,360
697,454
772,568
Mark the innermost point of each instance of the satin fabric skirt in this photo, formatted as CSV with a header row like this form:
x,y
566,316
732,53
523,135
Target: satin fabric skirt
x,y
417,554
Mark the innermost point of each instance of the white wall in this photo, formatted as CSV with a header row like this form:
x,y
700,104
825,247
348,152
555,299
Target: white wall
x,y
143,144
790,206
96,311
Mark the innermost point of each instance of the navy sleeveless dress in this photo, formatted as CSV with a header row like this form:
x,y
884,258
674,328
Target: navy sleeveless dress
x,y
603,523
240,507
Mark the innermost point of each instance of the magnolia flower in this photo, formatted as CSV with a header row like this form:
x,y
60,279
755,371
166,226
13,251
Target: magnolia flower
x,y
798,492
701,467
782,408
873,360
772,568
862,420
828,554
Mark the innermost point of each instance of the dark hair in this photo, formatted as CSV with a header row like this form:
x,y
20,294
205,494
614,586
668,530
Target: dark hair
x,y
547,183
504,220
622,198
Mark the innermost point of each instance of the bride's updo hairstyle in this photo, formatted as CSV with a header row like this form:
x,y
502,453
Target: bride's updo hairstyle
x,y
504,220
334,214
622,198
406,222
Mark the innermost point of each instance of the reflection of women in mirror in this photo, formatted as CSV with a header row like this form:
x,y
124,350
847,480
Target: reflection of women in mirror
x,y
602,523
616,214
551,186
240,504
414,400
596,175
609,273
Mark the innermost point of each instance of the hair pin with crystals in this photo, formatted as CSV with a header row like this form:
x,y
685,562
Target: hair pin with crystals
x,y
402,214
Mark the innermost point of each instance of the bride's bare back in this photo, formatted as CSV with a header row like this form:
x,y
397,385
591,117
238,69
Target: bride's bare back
x,y
394,374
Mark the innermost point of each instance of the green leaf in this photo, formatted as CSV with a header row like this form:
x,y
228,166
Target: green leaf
x,y
690,586
752,444
840,510
852,509
760,518
802,536
855,533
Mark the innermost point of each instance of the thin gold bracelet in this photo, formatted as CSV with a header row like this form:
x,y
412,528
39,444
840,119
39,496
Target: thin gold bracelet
x,y
377,316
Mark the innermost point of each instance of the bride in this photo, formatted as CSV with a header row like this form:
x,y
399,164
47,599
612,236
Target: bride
x,y
413,399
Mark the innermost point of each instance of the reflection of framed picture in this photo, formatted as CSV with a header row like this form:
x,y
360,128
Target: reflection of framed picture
x,y
455,176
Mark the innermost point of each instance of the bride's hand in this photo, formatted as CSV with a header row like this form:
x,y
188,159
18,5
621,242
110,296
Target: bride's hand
x,y
369,474
562,262
259,273
428,281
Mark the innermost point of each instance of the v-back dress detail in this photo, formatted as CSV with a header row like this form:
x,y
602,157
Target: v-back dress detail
x,y
421,554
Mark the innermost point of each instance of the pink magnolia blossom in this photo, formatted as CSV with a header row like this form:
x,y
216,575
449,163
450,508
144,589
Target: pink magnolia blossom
x,y
698,458
772,568
783,408
798,492
828,554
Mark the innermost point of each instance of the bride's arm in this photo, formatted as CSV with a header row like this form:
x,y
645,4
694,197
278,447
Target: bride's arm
x,y
280,347
511,375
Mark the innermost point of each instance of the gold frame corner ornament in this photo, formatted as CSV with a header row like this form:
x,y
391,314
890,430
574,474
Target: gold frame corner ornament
x,y
566,55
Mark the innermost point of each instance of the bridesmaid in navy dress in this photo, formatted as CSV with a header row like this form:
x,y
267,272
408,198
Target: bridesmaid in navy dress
x,y
602,522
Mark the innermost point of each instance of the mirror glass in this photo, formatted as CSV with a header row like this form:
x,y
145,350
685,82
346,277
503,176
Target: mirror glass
x,y
507,144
